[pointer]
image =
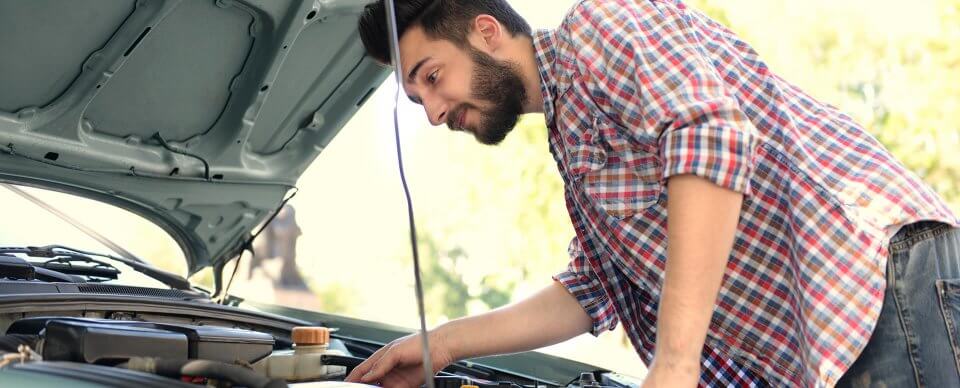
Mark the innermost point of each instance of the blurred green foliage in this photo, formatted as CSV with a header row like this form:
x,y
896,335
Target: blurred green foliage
x,y
335,297
893,66
503,229
446,290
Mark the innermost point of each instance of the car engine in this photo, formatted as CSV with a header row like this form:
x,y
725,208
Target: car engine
x,y
163,354
190,353
57,323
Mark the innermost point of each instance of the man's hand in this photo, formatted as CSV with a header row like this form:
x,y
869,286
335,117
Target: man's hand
x,y
548,317
399,364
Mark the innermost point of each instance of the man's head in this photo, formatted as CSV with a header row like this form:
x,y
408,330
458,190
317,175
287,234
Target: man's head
x,y
456,58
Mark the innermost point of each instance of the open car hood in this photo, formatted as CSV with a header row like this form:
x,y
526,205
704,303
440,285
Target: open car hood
x,y
198,115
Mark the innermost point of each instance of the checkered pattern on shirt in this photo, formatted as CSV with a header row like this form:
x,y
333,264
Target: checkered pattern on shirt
x,y
638,91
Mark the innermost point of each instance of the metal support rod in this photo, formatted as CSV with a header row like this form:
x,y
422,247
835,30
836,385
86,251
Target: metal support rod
x,y
394,40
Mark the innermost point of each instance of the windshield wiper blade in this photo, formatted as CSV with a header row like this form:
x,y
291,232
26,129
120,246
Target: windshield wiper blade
x,y
171,279
15,268
96,271
51,251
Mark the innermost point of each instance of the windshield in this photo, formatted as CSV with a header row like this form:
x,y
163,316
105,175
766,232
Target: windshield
x,y
29,224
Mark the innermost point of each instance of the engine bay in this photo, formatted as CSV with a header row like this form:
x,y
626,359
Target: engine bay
x,y
126,349
202,354
62,314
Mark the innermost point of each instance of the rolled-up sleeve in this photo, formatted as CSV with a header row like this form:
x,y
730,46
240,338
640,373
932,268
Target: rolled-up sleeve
x,y
581,282
711,149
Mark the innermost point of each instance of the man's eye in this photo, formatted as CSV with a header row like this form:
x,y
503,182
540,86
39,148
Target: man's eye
x,y
432,78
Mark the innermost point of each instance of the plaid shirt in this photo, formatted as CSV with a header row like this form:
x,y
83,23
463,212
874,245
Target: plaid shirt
x,y
638,91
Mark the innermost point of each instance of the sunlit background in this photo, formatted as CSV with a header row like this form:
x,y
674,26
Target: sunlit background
x,y
492,222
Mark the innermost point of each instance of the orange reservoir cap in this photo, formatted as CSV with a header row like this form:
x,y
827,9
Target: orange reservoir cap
x,y
310,335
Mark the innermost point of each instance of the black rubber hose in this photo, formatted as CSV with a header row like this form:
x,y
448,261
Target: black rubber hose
x,y
10,342
235,374
346,361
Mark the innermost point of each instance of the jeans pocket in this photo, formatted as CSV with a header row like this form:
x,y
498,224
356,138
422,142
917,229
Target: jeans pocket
x,y
948,295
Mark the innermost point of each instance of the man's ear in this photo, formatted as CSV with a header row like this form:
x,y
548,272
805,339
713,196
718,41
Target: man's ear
x,y
486,33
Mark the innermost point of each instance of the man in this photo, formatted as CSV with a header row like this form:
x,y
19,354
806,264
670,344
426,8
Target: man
x,y
799,252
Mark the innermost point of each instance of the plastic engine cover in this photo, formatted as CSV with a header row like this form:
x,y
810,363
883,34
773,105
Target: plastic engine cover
x,y
108,344
107,341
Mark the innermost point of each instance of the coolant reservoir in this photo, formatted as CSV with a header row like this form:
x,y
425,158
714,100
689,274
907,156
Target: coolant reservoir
x,y
303,363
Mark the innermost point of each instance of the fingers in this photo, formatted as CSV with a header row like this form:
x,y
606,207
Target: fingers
x,y
397,364
381,367
408,377
363,368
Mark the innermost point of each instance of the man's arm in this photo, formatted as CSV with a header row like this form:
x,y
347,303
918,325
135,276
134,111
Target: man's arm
x,y
550,316
702,220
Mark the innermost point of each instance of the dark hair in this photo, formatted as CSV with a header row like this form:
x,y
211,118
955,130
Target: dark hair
x,y
446,19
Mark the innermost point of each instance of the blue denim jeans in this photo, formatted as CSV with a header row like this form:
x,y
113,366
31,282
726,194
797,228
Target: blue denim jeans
x,y
917,339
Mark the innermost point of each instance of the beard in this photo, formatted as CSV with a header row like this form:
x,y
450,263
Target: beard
x,y
500,84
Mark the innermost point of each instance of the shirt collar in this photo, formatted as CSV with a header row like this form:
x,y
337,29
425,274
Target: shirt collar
x,y
543,46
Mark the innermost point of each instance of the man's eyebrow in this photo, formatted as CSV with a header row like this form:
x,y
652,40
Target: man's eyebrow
x,y
416,69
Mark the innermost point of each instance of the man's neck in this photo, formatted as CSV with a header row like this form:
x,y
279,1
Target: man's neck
x,y
525,56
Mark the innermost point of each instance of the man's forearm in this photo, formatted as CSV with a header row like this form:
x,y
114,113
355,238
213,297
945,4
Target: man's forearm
x,y
702,220
550,316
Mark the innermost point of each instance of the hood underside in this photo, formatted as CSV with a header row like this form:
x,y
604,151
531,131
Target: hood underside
x,y
199,115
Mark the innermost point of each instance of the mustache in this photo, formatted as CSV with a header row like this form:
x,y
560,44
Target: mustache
x,y
453,118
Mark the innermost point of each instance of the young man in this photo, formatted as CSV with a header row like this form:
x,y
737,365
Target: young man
x,y
743,233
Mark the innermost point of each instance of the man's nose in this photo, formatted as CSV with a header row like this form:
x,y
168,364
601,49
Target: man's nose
x,y
436,111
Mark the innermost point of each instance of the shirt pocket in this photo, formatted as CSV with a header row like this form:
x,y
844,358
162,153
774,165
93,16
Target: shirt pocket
x,y
620,176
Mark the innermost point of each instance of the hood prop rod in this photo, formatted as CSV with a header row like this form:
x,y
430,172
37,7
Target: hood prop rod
x,y
247,246
394,39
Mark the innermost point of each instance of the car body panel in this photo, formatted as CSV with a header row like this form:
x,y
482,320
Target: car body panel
x,y
20,378
244,95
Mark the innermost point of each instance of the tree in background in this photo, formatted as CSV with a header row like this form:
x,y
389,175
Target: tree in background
x,y
893,67
502,229
447,294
